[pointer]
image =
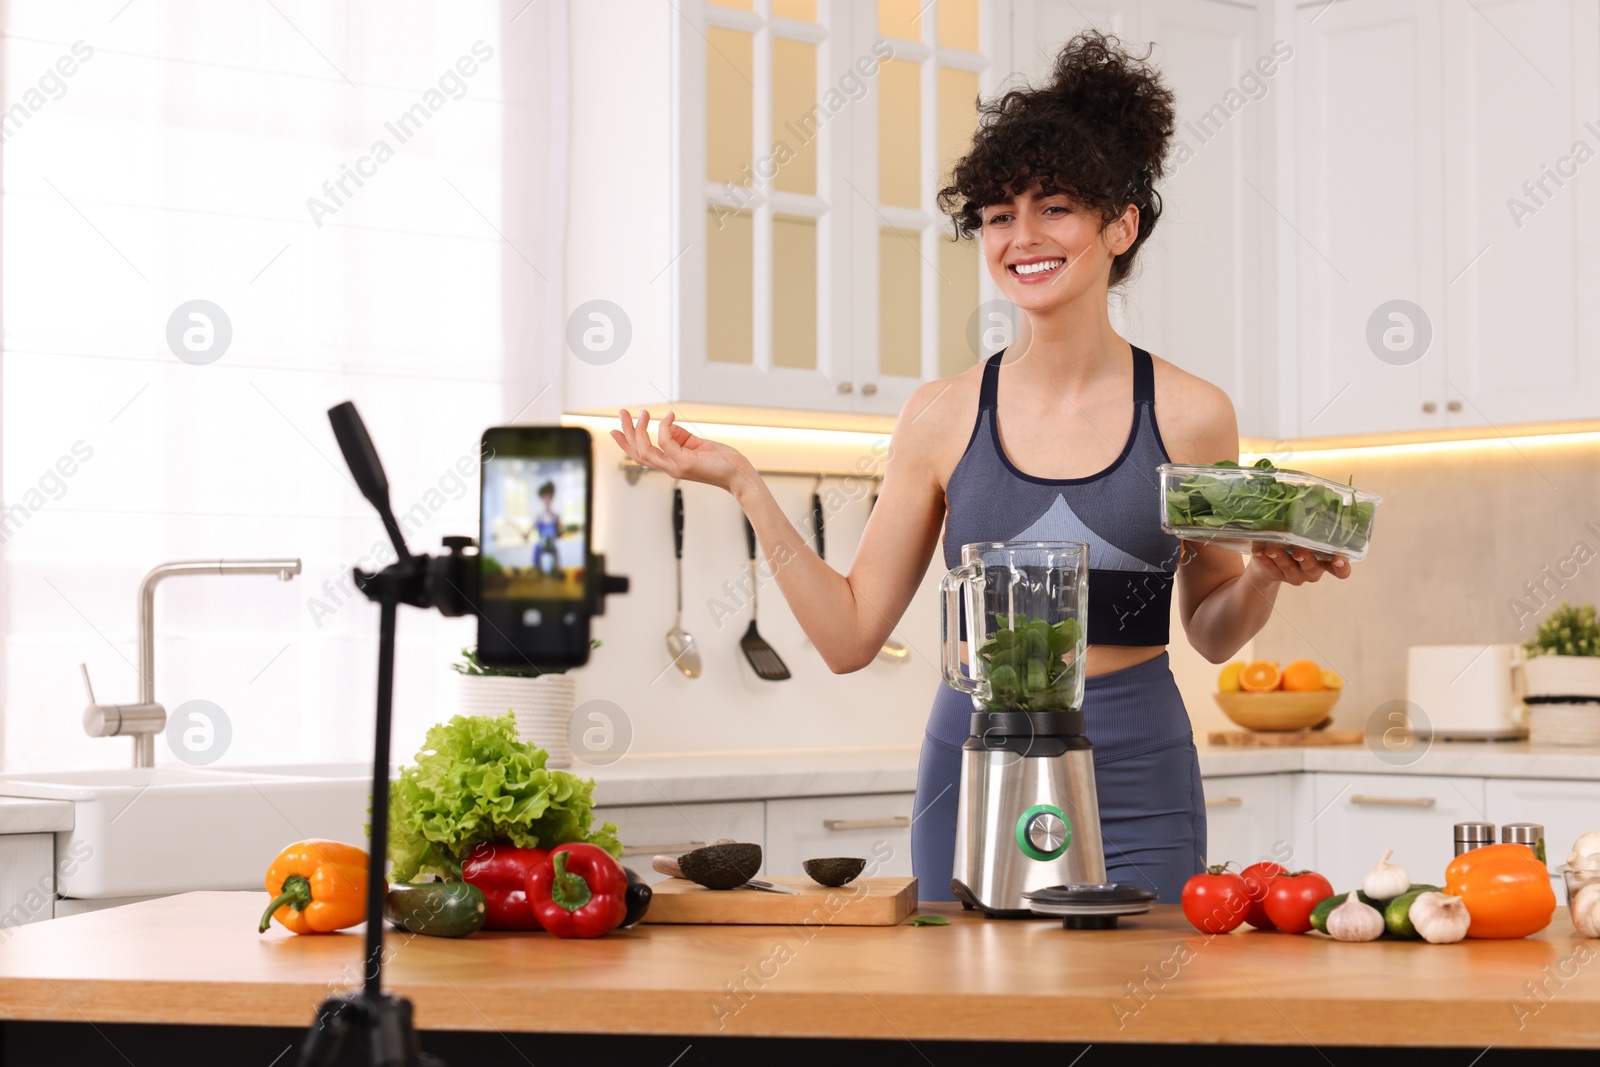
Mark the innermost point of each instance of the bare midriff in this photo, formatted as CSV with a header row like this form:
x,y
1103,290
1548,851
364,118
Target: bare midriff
x,y
1103,659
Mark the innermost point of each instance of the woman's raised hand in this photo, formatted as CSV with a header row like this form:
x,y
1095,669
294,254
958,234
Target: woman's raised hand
x,y
679,452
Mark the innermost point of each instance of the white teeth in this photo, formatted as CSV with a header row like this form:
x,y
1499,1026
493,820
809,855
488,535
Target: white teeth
x,y
1037,268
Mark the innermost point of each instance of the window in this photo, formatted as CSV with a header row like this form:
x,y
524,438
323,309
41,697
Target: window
x,y
234,158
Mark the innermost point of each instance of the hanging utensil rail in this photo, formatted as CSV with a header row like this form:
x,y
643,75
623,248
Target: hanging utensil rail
x,y
633,470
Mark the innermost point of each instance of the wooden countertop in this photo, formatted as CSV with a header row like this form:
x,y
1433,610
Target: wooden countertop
x,y
197,959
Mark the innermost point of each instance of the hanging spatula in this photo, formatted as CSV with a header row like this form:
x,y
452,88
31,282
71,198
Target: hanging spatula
x,y
764,661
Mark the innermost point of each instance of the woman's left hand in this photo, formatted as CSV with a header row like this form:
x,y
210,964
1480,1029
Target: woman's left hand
x,y
1291,565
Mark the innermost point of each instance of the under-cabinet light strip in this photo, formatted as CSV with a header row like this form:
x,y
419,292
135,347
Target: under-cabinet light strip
x,y
1290,454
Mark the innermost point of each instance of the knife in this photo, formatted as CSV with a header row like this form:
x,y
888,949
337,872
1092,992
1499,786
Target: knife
x,y
769,887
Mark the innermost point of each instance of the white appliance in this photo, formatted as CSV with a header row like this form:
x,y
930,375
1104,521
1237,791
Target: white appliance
x,y
1469,692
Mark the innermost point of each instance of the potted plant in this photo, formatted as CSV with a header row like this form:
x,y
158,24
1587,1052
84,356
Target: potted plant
x,y
541,699
1564,655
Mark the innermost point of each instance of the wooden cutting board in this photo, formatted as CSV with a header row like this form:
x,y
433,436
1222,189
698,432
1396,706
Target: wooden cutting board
x,y
864,902
1285,739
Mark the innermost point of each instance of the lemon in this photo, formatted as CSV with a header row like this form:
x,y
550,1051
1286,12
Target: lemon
x,y
1228,680
1332,680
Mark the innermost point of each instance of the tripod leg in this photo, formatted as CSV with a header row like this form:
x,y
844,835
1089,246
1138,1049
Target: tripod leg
x,y
326,1036
394,1040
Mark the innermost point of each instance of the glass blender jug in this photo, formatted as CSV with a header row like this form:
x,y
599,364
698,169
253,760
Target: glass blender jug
x,y
1025,602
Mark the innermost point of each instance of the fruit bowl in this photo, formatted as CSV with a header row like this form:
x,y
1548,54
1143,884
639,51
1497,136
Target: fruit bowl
x,y
1280,710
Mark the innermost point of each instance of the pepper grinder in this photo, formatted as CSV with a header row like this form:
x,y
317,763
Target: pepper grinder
x,y
1525,833
1471,835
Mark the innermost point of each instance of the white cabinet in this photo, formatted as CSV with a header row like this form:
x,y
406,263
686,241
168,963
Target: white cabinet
x,y
876,828
671,829
1356,817
1437,153
753,201
1522,248
1565,809
27,879
1368,151
1247,819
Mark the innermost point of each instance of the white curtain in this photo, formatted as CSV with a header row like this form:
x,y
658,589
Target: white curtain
x,y
370,192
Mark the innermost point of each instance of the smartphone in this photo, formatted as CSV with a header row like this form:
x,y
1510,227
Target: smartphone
x,y
534,552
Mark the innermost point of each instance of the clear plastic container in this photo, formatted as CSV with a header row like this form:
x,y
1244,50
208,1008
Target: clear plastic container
x,y
1239,507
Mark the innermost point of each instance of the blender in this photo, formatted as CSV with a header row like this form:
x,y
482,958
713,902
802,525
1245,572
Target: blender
x,y
1027,817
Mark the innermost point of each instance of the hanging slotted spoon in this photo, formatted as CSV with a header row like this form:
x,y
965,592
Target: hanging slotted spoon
x,y
893,650
763,659
680,642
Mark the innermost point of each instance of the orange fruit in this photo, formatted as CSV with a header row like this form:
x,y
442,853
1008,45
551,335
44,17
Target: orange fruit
x,y
1332,679
1228,680
1303,676
1260,676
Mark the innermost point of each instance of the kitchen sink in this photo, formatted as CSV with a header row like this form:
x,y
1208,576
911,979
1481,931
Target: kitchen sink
x,y
159,830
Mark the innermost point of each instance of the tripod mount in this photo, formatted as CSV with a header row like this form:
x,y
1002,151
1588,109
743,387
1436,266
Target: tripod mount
x,y
449,584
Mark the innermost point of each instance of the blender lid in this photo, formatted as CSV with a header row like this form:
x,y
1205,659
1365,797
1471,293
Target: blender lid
x,y
1095,898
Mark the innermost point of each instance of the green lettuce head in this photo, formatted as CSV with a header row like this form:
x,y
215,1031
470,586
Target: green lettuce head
x,y
476,781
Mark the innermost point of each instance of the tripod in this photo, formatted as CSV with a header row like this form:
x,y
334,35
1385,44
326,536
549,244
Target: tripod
x,y
449,584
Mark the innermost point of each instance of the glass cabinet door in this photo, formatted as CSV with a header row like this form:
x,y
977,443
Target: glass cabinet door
x,y
764,303
816,271
923,288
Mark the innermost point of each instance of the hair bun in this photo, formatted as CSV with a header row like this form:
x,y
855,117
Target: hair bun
x,y
1109,87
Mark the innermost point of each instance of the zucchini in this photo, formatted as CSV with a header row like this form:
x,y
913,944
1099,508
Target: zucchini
x,y
1319,914
437,909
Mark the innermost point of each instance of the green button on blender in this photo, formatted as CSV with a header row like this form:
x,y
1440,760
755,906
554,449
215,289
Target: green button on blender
x,y
1043,832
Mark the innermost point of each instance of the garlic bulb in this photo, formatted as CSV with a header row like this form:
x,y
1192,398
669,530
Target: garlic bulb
x,y
1386,881
1439,918
1355,921
1586,911
1585,855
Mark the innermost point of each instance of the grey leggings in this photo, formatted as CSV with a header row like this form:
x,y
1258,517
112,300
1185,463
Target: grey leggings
x,y
1147,776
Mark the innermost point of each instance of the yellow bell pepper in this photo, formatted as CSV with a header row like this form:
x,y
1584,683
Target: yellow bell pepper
x,y
318,887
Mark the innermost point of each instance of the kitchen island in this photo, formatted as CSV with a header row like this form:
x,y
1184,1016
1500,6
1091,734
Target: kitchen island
x,y
197,960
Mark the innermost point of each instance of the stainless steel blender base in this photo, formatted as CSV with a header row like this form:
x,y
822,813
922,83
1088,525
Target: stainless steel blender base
x,y
1024,823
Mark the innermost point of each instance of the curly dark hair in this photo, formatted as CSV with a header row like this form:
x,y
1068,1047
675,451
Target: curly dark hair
x,y
1097,131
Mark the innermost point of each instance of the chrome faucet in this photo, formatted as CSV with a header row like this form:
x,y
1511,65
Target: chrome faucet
x,y
143,720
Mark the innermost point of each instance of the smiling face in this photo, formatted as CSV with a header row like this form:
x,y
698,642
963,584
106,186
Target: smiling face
x,y
1046,252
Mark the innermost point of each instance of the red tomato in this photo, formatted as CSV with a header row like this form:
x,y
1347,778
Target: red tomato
x,y
1257,880
1215,902
1292,897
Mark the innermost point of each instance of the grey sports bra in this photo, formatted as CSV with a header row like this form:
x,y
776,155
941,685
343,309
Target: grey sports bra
x,y
1116,512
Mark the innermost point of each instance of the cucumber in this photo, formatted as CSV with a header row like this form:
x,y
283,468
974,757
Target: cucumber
x,y
1397,914
438,909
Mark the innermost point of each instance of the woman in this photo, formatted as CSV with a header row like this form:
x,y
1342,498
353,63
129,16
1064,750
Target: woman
x,y
1064,441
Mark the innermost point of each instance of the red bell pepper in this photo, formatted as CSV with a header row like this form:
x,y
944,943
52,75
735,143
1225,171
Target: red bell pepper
x,y
579,891
501,872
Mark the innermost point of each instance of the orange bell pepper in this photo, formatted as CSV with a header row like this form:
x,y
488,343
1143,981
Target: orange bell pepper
x,y
318,887
1506,890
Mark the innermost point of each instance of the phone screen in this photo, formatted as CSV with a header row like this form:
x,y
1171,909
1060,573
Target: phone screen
x,y
535,528
534,547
